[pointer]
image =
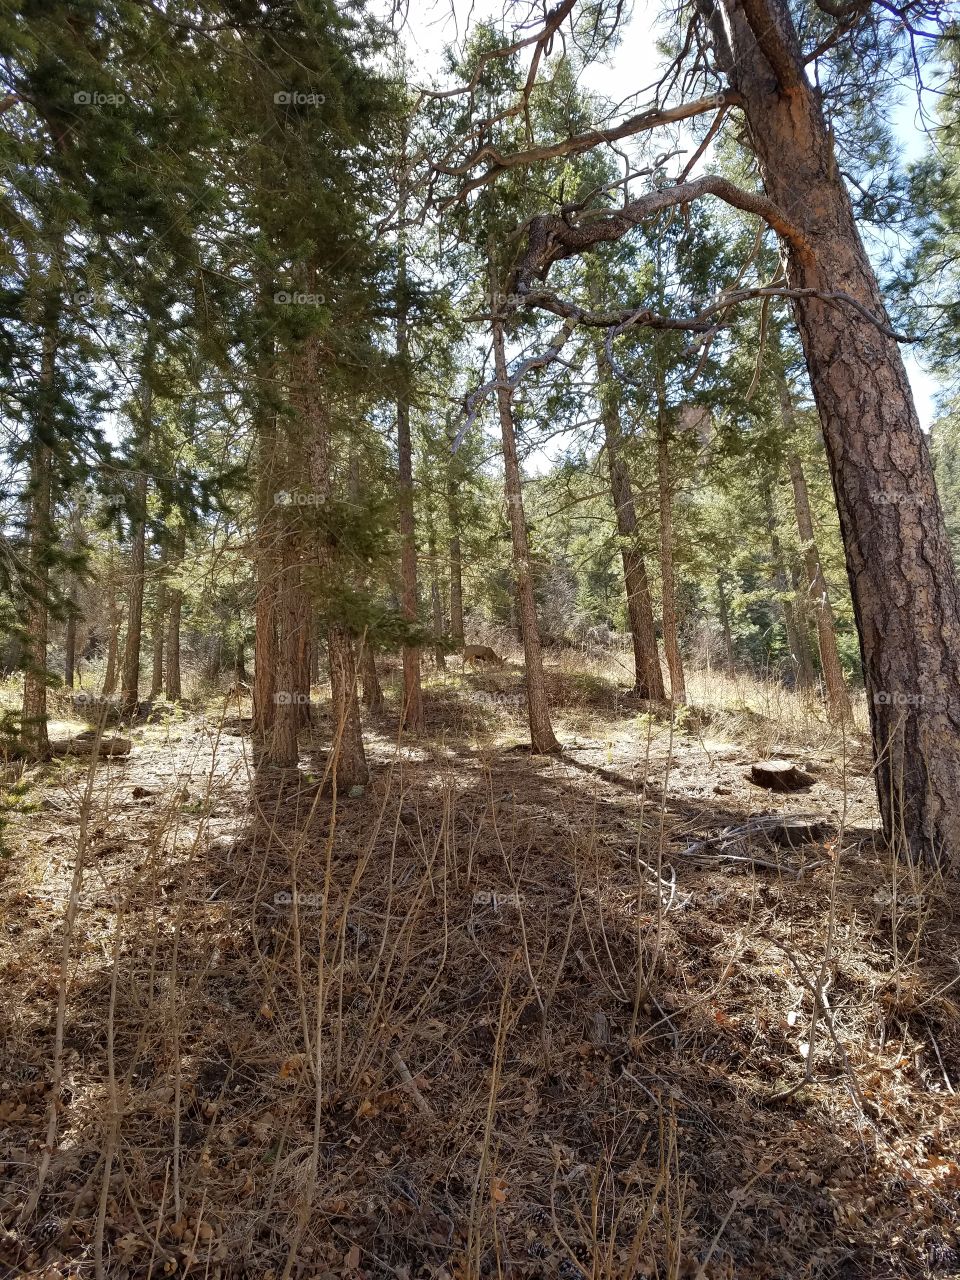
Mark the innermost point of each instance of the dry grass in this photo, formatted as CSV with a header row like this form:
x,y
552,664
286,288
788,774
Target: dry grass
x,y
506,1026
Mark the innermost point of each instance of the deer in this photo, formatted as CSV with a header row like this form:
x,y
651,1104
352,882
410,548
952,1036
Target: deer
x,y
481,653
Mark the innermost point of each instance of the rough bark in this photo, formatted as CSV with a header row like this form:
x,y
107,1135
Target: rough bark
x,y
902,578
541,729
671,641
173,688
648,677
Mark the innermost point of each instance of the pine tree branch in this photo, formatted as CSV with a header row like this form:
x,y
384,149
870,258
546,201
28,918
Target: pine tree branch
x,y
551,238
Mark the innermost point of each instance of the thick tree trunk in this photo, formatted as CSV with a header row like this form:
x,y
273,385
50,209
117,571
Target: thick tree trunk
x,y
838,700
350,768
648,677
671,641
541,729
174,689
794,627
724,611
902,578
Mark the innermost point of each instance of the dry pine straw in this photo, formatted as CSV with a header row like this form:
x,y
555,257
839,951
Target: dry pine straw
x,y
528,1067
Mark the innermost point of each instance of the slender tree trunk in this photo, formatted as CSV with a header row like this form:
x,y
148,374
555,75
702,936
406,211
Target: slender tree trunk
x,y
112,665
281,747
724,610
804,675
350,762
70,640
671,642
130,692
158,628
240,662
454,549
33,722
541,729
174,690
648,678
838,700
902,578
412,711
372,692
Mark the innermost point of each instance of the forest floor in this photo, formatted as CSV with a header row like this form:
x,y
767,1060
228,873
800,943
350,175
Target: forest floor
x,y
501,1015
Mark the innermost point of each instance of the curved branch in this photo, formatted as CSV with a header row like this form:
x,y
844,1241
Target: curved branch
x,y
551,239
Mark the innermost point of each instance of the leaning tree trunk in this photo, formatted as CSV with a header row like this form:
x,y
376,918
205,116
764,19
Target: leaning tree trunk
x,y
648,678
901,573
174,689
541,730
671,642
838,700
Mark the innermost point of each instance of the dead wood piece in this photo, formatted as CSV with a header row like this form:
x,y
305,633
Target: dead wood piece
x,y
779,775
86,744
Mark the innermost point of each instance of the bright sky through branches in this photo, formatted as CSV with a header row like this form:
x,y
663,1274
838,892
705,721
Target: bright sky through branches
x,y
635,65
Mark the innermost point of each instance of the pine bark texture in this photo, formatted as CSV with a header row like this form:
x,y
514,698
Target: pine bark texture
x,y
902,578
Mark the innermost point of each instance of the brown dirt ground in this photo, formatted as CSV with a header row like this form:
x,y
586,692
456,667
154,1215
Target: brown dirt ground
x,y
484,1042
